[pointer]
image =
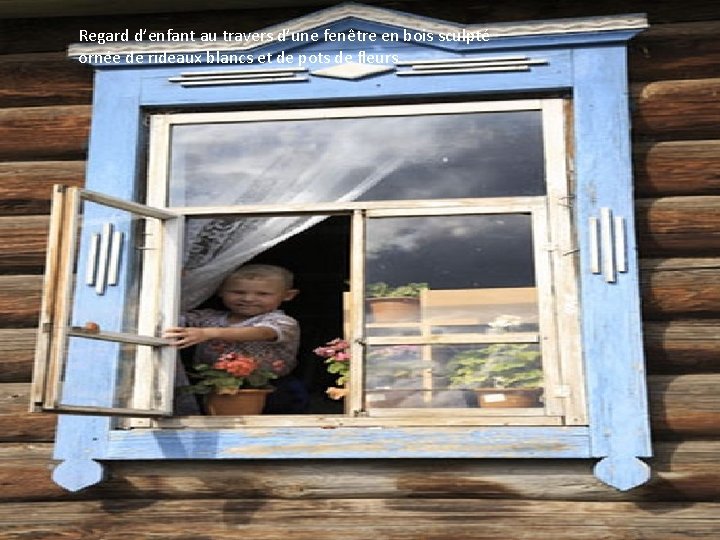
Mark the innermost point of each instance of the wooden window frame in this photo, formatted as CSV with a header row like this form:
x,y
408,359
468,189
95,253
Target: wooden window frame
x,y
584,59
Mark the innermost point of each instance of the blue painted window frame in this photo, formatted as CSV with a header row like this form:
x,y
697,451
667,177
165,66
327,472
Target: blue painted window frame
x,y
588,65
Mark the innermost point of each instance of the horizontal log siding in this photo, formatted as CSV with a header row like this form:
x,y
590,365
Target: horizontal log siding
x,y
677,168
26,186
687,471
393,519
676,51
663,110
670,226
44,79
681,406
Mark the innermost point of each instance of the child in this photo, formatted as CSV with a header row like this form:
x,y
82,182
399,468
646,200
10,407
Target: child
x,y
253,325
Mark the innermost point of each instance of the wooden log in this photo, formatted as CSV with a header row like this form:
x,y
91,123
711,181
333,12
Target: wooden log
x,y
685,109
675,51
409,519
26,186
681,406
19,301
44,79
17,351
680,287
59,132
682,346
16,423
686,471
679,226
23,241
677,168
685,405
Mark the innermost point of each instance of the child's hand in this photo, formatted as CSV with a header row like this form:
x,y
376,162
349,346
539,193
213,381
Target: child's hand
x,y
187,337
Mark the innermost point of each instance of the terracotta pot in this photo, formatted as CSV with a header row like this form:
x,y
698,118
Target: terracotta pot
x,y
509,397
245,402
392,310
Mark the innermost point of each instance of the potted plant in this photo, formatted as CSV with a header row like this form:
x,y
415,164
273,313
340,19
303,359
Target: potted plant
x,y
234,385
337,360
389,304
502,374
388,367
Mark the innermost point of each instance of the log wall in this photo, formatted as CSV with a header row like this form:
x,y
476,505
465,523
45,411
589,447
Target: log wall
x,y
44,119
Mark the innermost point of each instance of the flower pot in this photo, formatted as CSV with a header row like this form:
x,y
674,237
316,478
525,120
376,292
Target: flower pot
x,y
508,397
394,309
244,402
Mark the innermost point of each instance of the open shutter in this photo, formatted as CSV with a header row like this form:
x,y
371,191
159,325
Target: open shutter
x,y
110,277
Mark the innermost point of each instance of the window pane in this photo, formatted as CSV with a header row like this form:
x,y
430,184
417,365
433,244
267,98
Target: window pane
x,y
479,154
459,278
462,273
488,376
108,269
119,364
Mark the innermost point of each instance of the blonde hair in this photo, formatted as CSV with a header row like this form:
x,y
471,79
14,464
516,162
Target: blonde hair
x,y
262,271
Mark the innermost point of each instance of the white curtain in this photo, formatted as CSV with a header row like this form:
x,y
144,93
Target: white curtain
x,y
299,161
215,247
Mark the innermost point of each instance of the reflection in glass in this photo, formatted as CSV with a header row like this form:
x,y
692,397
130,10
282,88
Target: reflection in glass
x,y
496,375
477,276
118,362
479,154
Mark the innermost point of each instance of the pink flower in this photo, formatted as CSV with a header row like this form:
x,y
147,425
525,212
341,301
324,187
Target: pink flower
x,y
342,357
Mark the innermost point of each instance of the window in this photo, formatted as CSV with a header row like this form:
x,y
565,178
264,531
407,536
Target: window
x,y
514,213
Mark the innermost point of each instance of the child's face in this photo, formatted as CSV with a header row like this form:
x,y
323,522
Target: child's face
x,y
250,297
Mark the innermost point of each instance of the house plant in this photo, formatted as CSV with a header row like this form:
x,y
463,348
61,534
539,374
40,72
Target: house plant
x,y
337,360
394,304
502,374
388,368
233,385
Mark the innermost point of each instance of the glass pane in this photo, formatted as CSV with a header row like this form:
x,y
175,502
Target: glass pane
x,y
478,154
114,366
434,275
110,292
108,269
451,274
486,376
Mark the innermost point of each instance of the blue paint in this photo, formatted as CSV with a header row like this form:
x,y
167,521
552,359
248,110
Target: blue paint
x,y
589,66
352,442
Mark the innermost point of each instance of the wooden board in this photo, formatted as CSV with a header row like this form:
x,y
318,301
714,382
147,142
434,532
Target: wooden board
x,y
677,168
680,287
409,519
43,79
59,132
683,109
679,225
26,186
681,470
